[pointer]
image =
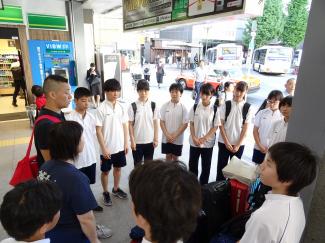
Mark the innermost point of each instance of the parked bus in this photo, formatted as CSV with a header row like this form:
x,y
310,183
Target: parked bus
x,y
272,59
226,56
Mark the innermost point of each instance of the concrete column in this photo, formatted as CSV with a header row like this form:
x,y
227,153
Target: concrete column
x,y
307,124
76,24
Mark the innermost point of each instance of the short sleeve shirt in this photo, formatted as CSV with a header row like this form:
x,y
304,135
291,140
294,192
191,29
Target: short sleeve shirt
x,y
281,218
41,132
203,122
111,118
78,198
143,121
278,132
234,123
88,156
174,115
200,74
264,121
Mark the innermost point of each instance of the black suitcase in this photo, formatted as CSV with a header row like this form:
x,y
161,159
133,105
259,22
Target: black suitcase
x,y
215,211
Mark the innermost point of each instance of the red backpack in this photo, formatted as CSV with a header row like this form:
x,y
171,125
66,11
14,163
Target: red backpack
x,y
27,168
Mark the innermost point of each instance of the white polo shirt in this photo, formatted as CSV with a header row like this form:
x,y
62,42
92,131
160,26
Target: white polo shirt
x,y
280,219
203,119
174,115
264,121
200,74
12,240
88,156
234,123
143,125
278,132
112,120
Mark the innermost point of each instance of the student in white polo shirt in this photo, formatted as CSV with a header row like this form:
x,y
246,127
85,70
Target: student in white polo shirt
x,y
86,160
143,124
235,115
263,123
112,134
279,130
204,122
173,123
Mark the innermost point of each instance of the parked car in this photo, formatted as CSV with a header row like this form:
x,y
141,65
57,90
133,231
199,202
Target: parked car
x,y
215,77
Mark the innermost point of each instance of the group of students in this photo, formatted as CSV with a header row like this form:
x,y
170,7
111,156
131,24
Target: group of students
x,y
66,152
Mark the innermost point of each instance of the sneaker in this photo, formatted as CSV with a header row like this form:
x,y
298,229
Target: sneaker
x,y
119,193
98,209
103,232
107,199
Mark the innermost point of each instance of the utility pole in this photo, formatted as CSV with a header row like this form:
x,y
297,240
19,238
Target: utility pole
x,y
251,46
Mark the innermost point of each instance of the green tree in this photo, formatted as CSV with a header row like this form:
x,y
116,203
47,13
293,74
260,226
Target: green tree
x,y
296,23
269,26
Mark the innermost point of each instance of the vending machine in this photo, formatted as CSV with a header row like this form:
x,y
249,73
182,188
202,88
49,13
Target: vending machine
x,y
52,57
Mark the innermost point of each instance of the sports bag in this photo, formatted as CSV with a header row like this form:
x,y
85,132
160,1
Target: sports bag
x,y
27,168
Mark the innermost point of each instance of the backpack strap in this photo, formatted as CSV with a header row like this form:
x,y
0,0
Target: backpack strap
x,y
245,111
215,108
40,118
228,109
134,108
153,107
194,108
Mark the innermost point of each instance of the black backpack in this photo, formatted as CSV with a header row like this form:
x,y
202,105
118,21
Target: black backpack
x,y
215,211
134,108
244,111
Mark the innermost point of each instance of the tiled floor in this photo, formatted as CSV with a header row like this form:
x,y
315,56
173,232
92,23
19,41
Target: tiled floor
x,y
7,107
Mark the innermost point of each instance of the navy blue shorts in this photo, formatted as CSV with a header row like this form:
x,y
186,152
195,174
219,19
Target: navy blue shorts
x,y
170,148
118,160
90,172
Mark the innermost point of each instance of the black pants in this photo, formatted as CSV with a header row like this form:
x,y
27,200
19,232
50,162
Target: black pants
x,y
143,152
19,84
258,156
223,156
206,155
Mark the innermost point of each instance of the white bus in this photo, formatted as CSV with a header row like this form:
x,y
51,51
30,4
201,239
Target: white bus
x,y
226,56
272,59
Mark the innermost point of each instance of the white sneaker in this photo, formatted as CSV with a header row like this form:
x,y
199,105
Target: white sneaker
x,y
103,232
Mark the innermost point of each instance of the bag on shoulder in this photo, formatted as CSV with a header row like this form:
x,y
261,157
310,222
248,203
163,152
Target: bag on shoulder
x,y
27,168
95,81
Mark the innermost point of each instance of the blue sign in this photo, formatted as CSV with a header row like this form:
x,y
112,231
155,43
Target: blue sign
x,y
51,57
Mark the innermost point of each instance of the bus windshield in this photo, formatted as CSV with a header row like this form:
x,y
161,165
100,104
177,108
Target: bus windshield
x,y
229,53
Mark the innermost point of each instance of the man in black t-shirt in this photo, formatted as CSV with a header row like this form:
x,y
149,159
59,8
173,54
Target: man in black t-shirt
x,y
58,96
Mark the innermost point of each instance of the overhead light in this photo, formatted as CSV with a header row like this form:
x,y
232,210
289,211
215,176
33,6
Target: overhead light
x,y
111,9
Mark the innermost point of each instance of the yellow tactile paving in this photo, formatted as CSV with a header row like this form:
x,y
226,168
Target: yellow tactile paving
x,y
12,142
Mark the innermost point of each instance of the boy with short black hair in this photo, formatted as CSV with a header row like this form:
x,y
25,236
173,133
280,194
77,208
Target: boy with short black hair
x,y
112,134
173,123
279,129
204,122
288,168
86,160
235,115
58,96
166,201
30,210
143,124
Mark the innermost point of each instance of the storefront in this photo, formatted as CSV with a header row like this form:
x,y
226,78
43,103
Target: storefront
x,y
19,27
